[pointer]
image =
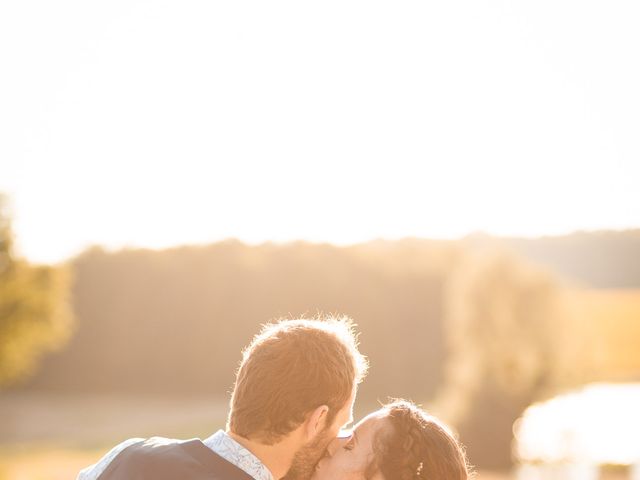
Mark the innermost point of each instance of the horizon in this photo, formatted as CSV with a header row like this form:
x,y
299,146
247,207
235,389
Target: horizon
x,y
284,243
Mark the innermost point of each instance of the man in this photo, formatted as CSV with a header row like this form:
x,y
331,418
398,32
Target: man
x,y
294,390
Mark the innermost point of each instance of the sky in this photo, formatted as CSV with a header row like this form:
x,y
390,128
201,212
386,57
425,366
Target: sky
x,y
158,123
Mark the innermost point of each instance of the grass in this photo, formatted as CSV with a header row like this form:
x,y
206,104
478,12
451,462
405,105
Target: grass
x,y
44,463
53,436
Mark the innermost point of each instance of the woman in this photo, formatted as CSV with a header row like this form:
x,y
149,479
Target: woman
x,y
398,442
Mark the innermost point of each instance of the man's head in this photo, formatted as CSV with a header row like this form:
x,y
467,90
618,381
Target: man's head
x,y
297,373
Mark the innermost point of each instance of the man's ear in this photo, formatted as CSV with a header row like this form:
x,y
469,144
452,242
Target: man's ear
x,y
316,422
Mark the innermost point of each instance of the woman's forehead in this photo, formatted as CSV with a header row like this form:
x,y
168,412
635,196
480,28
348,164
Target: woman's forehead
x,y
376,415
373,421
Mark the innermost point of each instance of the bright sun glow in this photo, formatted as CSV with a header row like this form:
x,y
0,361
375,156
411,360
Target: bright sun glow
x,y
597,425
160,123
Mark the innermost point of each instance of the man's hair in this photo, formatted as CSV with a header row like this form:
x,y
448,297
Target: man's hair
x,y
290,368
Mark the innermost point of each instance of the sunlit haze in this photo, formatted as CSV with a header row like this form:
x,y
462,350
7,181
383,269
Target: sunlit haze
x,y
598,425
133,123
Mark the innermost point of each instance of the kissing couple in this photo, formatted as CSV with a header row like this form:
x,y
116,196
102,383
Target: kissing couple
x,y
293,395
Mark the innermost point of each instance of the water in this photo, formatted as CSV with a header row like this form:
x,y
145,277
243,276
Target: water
x,y
571,435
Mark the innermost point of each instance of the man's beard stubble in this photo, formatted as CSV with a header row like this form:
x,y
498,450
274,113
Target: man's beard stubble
x,y
307,457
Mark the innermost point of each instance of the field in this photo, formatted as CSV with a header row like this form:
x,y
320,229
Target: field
x,y
51,437
612,322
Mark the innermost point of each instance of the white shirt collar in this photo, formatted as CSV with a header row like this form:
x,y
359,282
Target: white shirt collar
x,y
234,453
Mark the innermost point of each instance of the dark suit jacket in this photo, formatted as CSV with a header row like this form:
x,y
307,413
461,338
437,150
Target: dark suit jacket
x,y
164,459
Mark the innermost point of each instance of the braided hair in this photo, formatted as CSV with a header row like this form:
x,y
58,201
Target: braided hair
x,y
417,446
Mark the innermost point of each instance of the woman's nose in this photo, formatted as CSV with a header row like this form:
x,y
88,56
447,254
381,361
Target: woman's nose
x,y
337,443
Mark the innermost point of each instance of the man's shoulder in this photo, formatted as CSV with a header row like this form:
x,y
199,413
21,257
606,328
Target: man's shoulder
x,y
92,472
142,451
160,458
160,449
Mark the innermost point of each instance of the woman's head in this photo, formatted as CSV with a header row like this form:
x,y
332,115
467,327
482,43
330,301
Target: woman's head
x,y
398,442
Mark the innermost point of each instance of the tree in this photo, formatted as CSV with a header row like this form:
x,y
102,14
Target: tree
x,y
35,316
509,345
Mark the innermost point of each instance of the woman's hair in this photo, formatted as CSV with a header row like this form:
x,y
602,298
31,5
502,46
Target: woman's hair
x,y
416,446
